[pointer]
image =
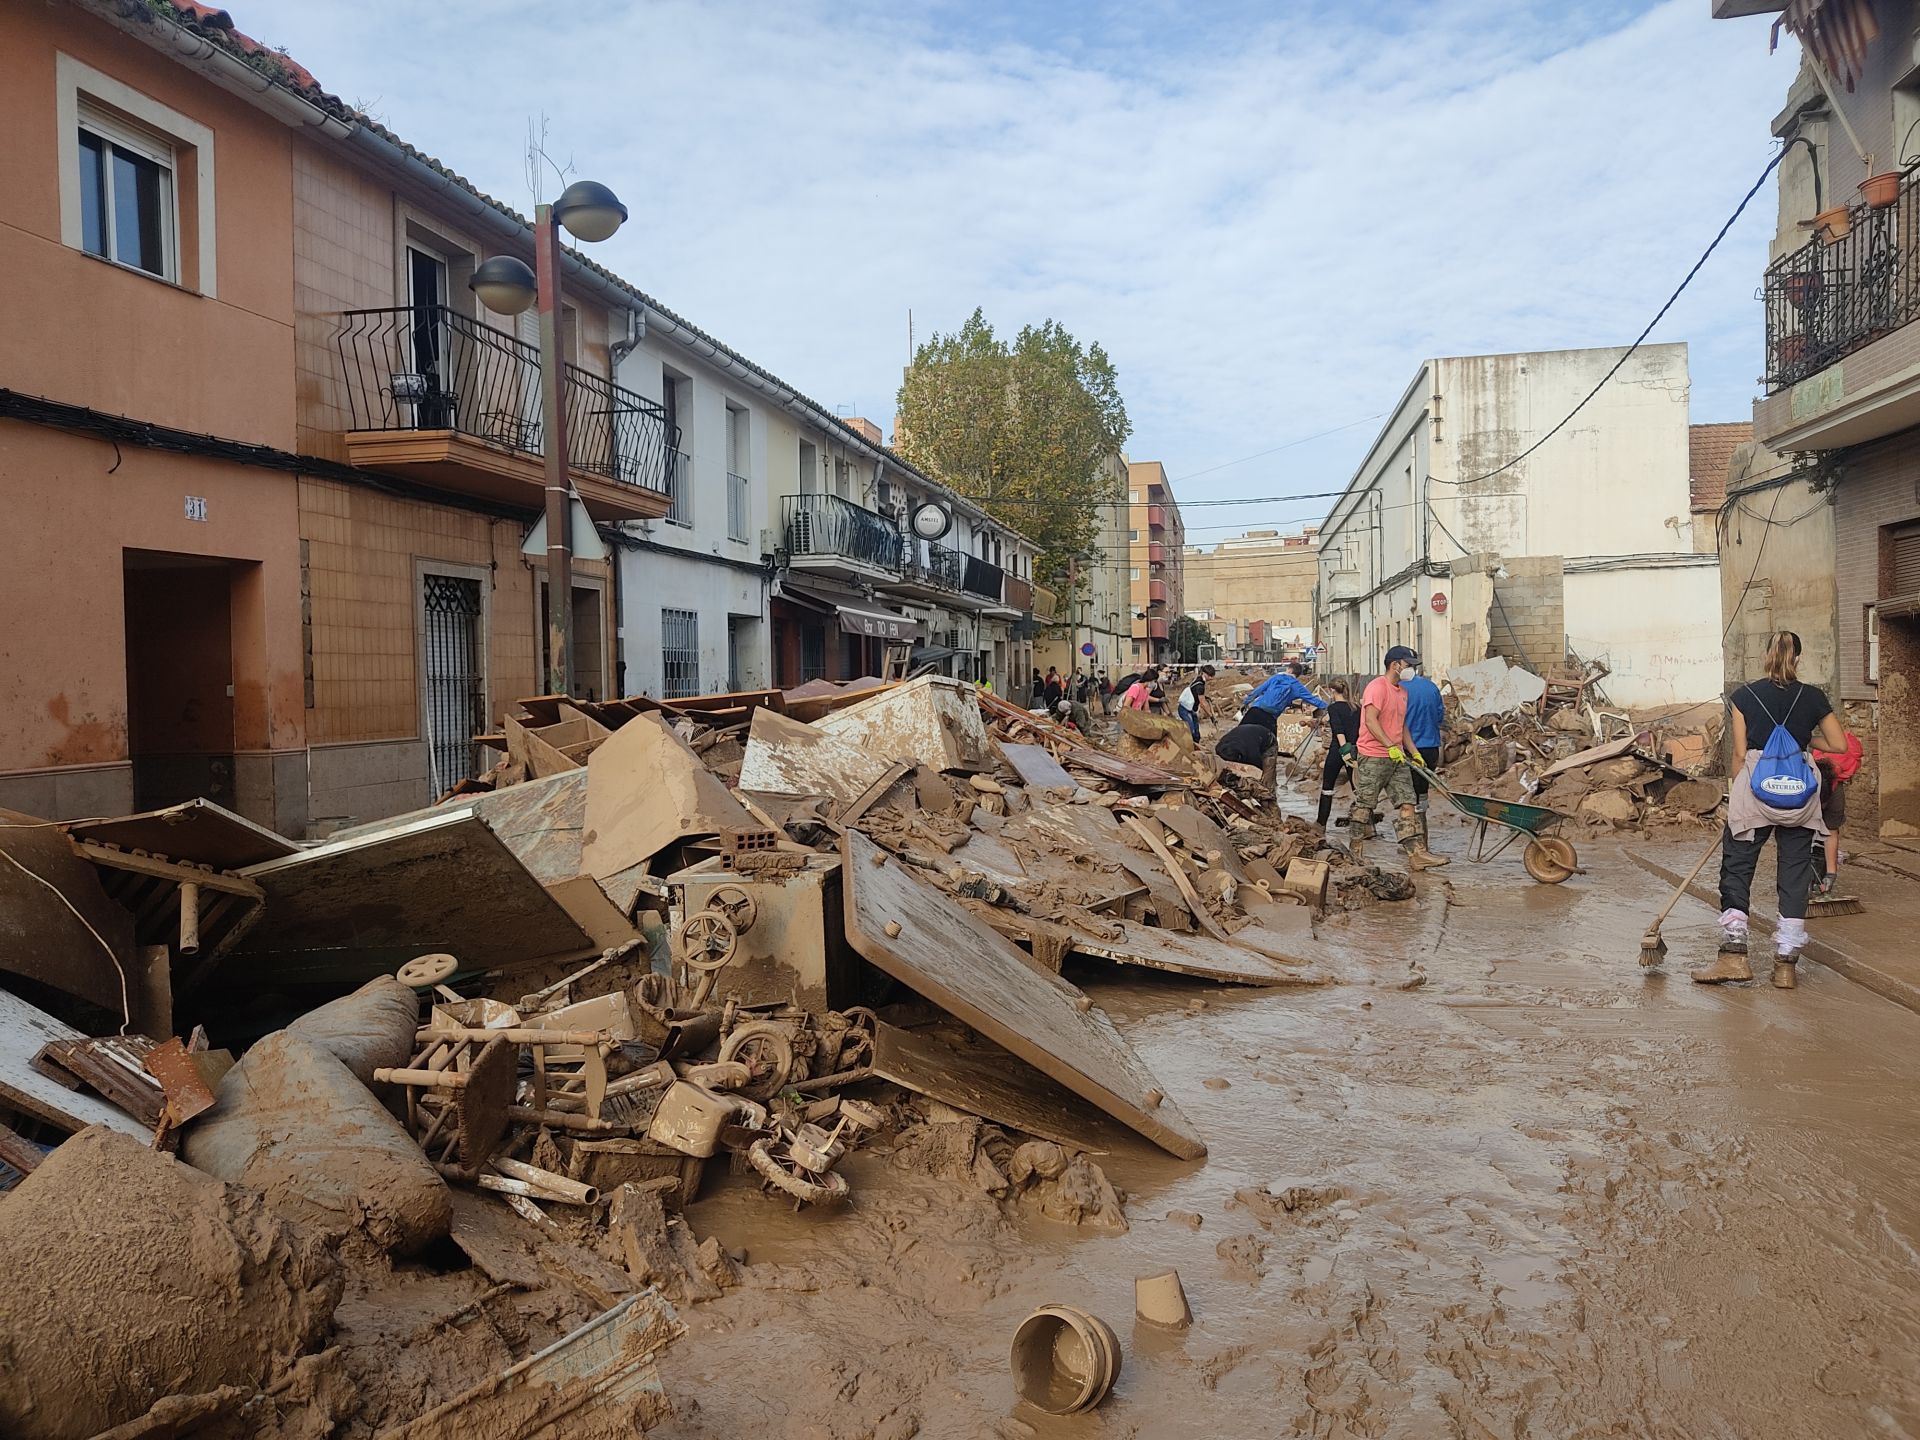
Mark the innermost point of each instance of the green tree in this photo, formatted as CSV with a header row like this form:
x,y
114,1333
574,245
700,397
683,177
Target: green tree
x,y
1185,636
1023,429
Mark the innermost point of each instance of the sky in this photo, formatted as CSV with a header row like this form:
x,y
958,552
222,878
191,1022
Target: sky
x,y
1268,215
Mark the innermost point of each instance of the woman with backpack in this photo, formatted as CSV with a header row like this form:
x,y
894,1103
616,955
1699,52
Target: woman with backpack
x,y
1775,792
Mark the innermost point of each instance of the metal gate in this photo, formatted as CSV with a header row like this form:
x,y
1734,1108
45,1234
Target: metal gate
x,y
451,680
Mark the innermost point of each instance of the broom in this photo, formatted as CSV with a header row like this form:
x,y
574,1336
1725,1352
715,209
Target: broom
x,y
1653,945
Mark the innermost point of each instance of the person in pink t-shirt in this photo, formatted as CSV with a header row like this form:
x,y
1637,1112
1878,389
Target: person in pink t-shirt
x,y
1384,746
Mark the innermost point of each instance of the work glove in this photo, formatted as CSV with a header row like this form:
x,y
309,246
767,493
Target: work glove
x,y
1396,754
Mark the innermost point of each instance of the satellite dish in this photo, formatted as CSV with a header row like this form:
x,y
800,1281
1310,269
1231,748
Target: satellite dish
x,y
931,520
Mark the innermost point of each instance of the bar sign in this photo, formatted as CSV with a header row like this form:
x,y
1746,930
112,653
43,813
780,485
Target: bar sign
x,y
197,507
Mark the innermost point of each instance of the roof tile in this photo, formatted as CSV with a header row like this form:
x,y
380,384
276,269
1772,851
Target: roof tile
x,y
1709,452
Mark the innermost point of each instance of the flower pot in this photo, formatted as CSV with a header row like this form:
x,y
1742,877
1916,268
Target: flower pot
x,y
1792,349
1801,288
1880,191
1832,224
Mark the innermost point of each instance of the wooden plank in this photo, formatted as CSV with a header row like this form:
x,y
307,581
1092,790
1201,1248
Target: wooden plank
x,y
24,1029
949,957
985,1080
871,795
1178,876
1231,963
168,870
195,832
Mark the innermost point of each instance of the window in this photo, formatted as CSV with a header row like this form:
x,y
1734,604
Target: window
x,y
1133,572
737,486
673,400
1873,644
679,653
843,479
809,469
1133,535
136,178
813,653
126,196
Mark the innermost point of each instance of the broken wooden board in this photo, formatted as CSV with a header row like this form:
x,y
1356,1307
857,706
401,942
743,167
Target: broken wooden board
x,y
196,832
933,720
45,941
982,978
646,790
352,909
1612,750
784,757
1037,767
598,1379
24,1030
985,1080
1229,962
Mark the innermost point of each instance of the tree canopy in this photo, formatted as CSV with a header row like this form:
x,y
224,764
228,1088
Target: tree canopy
x,y
1185,636
1023,429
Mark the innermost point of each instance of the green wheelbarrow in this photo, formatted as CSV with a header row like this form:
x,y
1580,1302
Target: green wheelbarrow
x,y
1548,858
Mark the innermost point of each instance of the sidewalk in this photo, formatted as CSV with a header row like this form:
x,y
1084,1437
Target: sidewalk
x,y
1875,949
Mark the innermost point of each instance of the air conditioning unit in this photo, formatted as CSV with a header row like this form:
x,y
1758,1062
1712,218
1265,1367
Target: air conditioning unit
x,y
769,541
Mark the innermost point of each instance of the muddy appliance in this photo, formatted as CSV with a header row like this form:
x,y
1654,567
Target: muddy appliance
x,y
792,943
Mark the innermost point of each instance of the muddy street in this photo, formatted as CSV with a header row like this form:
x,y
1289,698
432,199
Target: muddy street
x,y
1539,1193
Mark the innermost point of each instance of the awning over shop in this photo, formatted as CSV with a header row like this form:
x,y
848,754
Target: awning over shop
x,y
857,615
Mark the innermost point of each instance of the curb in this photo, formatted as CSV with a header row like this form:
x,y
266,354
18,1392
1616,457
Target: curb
x,y
1862,973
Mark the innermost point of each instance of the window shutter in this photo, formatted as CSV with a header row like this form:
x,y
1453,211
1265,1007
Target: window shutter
x,y
1904,543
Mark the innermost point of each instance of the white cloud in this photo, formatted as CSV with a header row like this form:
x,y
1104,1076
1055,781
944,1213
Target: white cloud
x,y
1268,223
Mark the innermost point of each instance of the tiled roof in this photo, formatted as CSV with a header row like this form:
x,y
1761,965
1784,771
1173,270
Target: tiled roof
x,y
1709,451
217,27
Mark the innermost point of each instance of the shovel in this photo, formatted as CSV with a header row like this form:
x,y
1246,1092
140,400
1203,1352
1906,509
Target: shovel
x,y
1653,945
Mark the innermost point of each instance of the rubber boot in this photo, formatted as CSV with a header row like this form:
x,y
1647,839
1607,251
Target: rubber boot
x,y
1727,965
1785,976
1421,858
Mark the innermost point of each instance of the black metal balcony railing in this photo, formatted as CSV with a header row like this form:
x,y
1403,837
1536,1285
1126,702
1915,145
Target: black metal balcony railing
x,y
982,578
427,367
1831,297
929,563
826,525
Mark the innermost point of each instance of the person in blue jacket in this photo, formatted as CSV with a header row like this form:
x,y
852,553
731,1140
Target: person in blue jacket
x,y
1424,712
1281,689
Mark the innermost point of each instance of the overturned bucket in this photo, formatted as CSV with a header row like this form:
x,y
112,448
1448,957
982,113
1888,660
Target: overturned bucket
x,y
1065,1359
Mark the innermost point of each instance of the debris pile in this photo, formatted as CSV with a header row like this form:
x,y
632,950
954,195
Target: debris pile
x,y
488,1053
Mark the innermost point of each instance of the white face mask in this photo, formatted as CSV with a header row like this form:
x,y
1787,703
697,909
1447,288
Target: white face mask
x,y
1407,672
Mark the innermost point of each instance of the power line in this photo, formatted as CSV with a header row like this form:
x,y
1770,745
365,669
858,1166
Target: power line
x,y
1304,439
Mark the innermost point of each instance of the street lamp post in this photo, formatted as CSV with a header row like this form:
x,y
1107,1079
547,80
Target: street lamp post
x,y
590,212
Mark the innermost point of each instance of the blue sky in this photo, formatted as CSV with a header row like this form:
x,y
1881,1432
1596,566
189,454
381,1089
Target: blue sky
x,y
1268,214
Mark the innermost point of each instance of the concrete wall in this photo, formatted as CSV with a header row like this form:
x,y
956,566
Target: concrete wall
x,y
652,581
1656,629
1527,623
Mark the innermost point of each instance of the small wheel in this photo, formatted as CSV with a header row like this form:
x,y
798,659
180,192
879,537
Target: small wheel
x,y
423,972
737,905
708,940
767,1052
1549,859
828,1189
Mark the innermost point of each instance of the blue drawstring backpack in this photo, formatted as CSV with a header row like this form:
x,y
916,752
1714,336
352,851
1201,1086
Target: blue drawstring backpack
x,y
1782,777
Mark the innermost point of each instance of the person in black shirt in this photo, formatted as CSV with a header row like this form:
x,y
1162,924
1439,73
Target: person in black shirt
x,y
1343,720
1106,692
1779,698
1079,696
1038,696
1053,692
1252,742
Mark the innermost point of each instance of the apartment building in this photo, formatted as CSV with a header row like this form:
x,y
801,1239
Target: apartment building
x,y
1841,295
1452,538
1097,605
1259,578
1156,546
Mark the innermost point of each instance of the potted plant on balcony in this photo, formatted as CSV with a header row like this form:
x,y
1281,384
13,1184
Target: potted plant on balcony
x,y
1882,190
1801,288
1832,224
1789,352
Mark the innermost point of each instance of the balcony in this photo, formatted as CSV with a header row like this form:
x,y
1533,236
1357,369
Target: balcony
x,y
1157,591
1156,627
983,578
1018,594
928,570
438,398
1046,604
828,535
1156,517
1156,553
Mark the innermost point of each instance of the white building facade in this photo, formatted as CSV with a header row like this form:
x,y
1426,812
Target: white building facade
x,y
1582,551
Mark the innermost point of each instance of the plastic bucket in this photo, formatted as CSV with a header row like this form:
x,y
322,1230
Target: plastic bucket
x,y
1065,1359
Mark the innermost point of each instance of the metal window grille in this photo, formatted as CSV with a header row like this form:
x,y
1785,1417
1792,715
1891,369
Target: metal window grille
x,y
813,653
453,692
736,507
680,487
680,652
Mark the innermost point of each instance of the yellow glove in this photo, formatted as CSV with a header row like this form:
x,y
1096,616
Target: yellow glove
x,y
1396,754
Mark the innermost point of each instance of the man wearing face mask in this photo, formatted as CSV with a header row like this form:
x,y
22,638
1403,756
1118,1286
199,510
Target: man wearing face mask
x,y
1384,744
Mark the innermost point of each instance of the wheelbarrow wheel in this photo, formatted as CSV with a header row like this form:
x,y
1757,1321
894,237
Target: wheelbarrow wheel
x,y
1549,859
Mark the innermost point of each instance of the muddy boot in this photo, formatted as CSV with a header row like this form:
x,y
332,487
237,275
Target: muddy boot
x,y
1421,858
1785,977
1727,965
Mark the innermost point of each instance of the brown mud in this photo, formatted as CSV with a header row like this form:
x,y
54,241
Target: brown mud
x,y
1544,1194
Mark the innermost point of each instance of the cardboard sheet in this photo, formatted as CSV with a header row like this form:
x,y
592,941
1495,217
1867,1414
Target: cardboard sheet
x,y
785,757
983,979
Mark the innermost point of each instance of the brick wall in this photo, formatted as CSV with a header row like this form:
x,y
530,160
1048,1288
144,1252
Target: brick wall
x,y
1527,622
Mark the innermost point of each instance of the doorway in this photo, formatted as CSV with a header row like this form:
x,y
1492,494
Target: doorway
x,y
180,682
427,297
452,679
